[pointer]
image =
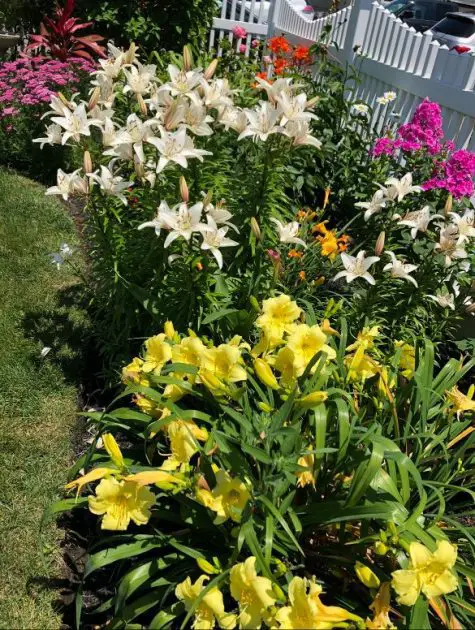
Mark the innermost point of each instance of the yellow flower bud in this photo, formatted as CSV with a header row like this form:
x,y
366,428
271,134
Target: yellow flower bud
x,y
380,548
319,281
210,70
256,230
169,330
264,407
379,247
130,53
184,192
264,374
280,568
448,205
113,449
94,100
187,59
211,381
366,576
205,566
313,399
87,162
279,593
207,199
64,100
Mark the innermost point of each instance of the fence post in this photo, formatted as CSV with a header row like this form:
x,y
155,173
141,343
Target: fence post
x,y
357,24
273,16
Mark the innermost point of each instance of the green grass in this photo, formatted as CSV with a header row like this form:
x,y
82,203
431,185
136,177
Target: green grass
x,y
38,397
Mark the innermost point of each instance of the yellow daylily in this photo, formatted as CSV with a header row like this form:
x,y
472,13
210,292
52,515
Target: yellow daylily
x,y
253,593
119,502
211,607
183,435
365,339
380,607
225,362
306,477
264,373
157,352
132,374
93,475
113,449
169,330
159,478
289,366
461,402
278,317
228,498
305,341
429,573
407,360
148,406
307,611
366,576
361,366
190,350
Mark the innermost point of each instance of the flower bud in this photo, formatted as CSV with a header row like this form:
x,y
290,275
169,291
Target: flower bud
x,y
87,162
380,548
319,281
280,568
206,566
379,247
327,329
312,400
139,168
210,381
273,255
256,230
279,593
142,105
94,100
255,304
312,102
207,199
187,59
64,100
210,70
184,192
470,308
130,54
169,330
326,197
113,449
448,205
366,576
264,374
264,407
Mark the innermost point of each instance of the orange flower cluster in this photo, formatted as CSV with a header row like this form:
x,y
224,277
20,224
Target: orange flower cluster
x,y
286,56
330,244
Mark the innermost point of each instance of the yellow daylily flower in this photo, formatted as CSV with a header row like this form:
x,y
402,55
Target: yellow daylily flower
x,y
407,360
278,317
93,475
305,341
380,607
173,391
190,350
159,478
253,593
132,374
120,502
148,406
306,477
289,366
113,449
306,610
225,362
365,339
157,353
366,576
169,330
228,498
183,435
429,573
361,366
461,402
211,607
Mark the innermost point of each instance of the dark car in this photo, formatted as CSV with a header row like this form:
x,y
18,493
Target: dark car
x,y
421,14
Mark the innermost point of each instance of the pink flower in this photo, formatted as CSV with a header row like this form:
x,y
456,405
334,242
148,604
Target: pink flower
x,y
255,43
242,48
383,146
10,111
239,32
267,59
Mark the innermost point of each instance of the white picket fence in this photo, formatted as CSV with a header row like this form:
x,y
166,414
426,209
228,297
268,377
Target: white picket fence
x,y
388,54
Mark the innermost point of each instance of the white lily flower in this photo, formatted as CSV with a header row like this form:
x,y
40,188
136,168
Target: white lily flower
x,y
111,184
214,239
262,122
357,267
107,91
276,89
294,108
220,215
111,66
109,134
101,113
68,184
54,135
121,151
398,188
216,93
374,206
181,82
196,120
232,118
450,245
59,258
299,132
399,269
139,78
160,220
183,222
176,147
57,106
135,133
465,225
418,220
288,232
76,123
445,300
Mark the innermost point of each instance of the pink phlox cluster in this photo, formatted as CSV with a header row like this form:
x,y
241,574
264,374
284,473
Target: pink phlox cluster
x,y
455,174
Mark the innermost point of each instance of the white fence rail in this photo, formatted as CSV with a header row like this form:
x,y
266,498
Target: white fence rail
x,y
388,54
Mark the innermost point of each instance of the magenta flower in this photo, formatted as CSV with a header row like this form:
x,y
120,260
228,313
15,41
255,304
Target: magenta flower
x,y
239,32
255,43
242,48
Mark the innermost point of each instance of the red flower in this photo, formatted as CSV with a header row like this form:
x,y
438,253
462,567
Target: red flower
x,y
302,54
278,45
280,65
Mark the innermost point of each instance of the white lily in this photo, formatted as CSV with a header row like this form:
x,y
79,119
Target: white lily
x,y
196,119
299,132
465,225
58,106
288,232
214,239
216,93
294,108
398,188
76,123
445,300
181,82
54,135
232,118
111,184
220,215
176,147
357,267
418,220
101,113
450,245
276,89
262,122
106,87
111,66
68,184
183,222
135,133
139,78
399,269
122,151
374,206
109,134
160,220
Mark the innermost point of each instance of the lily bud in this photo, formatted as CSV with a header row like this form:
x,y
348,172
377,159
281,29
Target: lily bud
x,y
279,593
312,102
380,548
326,197
448,205
184,192
207,199
319,281
187,59
139,167
366,576
206,566
113,449
210,70
379,247
130,54
169,330
142,105
64,100
255,304
95,96
264,374
211,381
470,308
256,230
312,400
264,407
87,162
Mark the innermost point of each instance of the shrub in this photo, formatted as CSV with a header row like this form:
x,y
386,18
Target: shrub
x,y
248,471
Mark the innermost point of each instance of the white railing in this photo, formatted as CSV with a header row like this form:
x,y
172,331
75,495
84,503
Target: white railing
x,y
388,54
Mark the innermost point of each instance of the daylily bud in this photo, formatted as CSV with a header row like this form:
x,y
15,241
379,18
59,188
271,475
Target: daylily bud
x,y
265,374
327,329
142,105
184,192
280,568
326,197
205,566
64,100
279,592
210,70
319,281
95,96
379,247
256,230
448,205
264,407
255,304
87,162
113,449
187,59
366,576
207,199
380,548
313,399
169,330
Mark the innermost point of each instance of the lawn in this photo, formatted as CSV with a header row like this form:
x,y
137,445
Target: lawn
x,y
37,401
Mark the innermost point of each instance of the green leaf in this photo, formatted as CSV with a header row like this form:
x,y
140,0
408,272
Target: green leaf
x,y
419,615
128,550
219,315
